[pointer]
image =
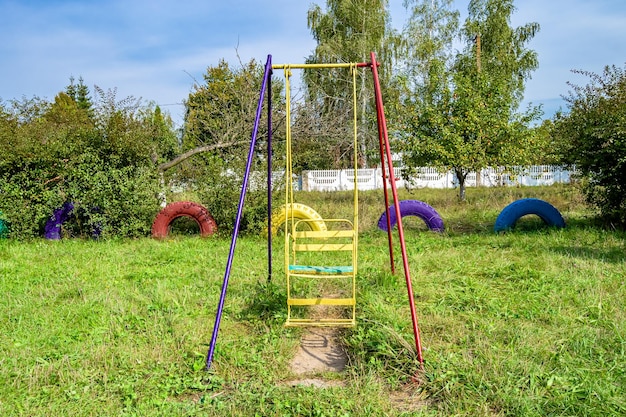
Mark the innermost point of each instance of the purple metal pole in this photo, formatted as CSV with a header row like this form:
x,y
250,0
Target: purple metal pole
x,y
269,177
233,243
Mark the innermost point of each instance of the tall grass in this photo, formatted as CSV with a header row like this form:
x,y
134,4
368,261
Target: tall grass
x,y
527,323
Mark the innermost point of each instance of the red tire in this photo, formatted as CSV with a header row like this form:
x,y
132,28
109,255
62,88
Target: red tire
x,y
172,211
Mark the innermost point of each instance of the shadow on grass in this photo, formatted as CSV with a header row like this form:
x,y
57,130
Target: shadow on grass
x,y
266,303
607,253
612,255
526,224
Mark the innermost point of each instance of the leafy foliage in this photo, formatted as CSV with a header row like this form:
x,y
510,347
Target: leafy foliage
x,y
219,119
347,31
111,157
215,108
460,109
593,138
99,156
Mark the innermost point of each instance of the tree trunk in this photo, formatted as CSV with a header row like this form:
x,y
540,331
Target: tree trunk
x,y
460,176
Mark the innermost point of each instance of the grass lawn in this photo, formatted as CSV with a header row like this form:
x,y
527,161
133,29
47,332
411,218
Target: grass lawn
x,y
527,323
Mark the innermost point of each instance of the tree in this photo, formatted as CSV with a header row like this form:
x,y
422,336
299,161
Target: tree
x,y
219,119
221,111
593,137
346,32
80,94
461,109
427,48
161,129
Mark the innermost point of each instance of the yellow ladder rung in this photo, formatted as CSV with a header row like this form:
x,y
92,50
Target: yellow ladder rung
x,y
322,247
321,276
321,301
320,322
313,234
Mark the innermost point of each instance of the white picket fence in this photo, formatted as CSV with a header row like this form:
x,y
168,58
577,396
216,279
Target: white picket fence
x,y
427,177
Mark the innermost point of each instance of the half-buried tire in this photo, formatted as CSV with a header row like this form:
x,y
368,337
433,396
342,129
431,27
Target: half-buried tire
x,y
172,211
513,212
297,211
52,229
4,229
413,208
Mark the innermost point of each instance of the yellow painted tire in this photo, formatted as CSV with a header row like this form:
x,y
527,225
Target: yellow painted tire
x,y
300,212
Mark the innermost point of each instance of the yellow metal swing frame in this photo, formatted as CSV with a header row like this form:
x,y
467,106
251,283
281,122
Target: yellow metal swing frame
x,y
311,256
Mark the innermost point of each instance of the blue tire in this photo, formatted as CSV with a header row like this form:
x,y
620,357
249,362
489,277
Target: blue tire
x,y
4,230
413,208
513,212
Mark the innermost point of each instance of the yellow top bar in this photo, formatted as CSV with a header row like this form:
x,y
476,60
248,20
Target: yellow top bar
x,y
303,66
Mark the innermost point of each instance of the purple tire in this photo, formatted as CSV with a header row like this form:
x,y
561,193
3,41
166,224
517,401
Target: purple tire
x,y
413,208
52,230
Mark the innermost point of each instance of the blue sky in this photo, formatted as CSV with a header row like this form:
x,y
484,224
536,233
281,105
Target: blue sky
x,y
155,49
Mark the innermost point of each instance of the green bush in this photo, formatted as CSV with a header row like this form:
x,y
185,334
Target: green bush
x,y
593,138
102,160
210,181
110,158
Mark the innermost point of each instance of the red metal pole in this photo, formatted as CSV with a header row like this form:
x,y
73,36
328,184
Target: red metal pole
x,y
386,193
407,273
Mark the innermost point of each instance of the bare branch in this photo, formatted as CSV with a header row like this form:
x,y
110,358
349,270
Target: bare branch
x,y
206,148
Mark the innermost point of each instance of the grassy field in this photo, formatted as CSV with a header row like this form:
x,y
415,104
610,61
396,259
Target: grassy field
x,y
527,323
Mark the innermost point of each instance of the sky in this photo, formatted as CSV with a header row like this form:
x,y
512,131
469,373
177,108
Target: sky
x,y
156,50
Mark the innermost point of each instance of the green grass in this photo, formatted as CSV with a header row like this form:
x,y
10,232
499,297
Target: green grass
x,y
527,323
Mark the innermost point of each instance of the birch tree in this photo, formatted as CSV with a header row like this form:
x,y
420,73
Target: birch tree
x,y
346,31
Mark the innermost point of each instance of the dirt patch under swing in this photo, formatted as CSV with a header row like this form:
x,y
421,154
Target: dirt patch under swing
x,y
320,351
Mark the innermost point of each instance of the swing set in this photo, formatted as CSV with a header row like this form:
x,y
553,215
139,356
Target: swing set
x,y
320,254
